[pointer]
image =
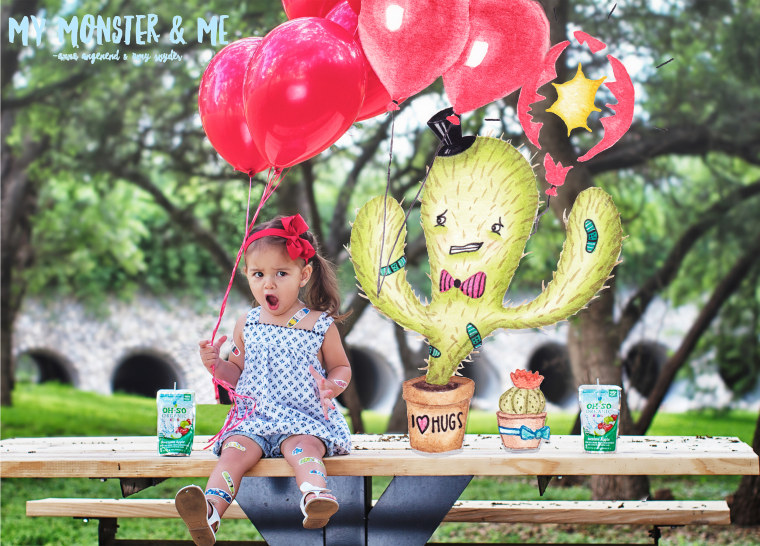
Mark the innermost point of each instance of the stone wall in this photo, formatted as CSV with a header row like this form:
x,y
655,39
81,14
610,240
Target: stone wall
x,y
164,332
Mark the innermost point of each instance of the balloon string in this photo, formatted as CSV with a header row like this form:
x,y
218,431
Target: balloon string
x,y
380,278
274,178
273,182
237,261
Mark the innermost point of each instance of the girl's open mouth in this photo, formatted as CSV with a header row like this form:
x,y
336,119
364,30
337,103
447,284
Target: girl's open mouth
x,y
273,302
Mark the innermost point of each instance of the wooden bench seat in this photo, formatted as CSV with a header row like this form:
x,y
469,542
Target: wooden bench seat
x,y
578,512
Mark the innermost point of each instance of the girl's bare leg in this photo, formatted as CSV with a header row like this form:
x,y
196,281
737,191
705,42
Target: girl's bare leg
x,y
304,454
239,454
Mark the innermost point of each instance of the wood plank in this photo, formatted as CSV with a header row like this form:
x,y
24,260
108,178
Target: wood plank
x,y
386,455
609,512
606,512
114,508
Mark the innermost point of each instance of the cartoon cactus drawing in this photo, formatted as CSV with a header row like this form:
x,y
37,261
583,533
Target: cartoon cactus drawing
x,y
477,213
526,396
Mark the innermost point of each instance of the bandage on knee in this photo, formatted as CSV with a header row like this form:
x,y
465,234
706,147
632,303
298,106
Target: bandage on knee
x,y
314,460
234,445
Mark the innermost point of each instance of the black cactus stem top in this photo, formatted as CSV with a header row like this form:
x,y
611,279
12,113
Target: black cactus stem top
x,y
450,134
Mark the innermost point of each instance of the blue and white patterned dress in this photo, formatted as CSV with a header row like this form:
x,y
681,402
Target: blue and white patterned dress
x,y
276,376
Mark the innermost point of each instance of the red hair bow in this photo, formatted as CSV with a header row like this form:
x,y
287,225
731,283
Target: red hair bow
x,y
293,226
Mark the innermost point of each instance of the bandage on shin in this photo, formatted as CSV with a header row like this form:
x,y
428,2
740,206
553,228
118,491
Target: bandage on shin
x,y
228,481
221,493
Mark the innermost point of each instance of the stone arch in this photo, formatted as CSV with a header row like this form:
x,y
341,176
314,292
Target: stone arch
x,y
552,360
642,365
39,365
486,378
377,382
144,371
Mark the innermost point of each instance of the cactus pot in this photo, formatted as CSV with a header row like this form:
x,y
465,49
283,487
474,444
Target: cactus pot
x,y
533,421
437,415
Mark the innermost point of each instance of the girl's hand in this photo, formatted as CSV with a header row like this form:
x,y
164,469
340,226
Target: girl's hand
x,y
325,394
210,353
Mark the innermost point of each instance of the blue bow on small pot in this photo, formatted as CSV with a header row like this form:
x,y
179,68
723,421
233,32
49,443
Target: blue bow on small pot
x,y
526,433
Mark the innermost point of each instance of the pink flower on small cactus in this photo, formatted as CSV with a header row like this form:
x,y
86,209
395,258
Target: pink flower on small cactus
x,y
523,379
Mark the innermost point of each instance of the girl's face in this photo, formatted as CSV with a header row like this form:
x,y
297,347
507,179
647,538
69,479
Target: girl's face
x,y
274,278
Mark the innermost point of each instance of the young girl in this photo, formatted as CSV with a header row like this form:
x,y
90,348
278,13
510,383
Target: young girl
x,y
288,363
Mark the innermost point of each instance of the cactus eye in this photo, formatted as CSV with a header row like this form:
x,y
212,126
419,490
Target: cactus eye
x,y
496,228
440,220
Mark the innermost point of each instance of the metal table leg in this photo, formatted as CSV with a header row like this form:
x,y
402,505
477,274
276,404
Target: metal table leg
x,y
407,513
272,505
411,508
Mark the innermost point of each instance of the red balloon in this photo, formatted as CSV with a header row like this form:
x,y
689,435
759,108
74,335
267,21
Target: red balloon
x,y
505,48
376,97
345,16
409,44
220,102
303,90
356,5
307,8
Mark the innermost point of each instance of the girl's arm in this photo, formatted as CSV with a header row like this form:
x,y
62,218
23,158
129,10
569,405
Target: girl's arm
x,y
335,362
337,369
226,370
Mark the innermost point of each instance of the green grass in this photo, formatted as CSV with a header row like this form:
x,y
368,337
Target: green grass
x,y
58,410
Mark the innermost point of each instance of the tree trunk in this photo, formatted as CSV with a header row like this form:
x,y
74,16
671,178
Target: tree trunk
x,y
745,504
722,292
594,356
19,201
18,204
592,341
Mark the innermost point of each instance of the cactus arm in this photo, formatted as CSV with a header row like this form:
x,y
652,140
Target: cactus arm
x,y
591,250
397,300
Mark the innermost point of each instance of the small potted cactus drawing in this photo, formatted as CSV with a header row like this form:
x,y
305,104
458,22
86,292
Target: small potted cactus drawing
x,y
521,416
478,210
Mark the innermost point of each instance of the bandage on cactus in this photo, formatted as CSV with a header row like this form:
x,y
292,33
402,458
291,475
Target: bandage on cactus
x,y
526,396
477,214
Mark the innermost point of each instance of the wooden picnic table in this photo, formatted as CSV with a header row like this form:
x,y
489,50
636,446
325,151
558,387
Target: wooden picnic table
x,y
422,492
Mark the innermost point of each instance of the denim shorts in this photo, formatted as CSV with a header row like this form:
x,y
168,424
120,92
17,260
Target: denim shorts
x,y
270,445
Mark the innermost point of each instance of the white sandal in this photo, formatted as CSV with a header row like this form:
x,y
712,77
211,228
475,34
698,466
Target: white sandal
x,y
318,509
192,507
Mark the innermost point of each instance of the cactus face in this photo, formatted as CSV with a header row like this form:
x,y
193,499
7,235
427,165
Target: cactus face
x,y
477,213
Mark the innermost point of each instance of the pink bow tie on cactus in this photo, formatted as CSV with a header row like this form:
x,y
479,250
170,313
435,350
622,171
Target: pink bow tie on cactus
x,y
472,287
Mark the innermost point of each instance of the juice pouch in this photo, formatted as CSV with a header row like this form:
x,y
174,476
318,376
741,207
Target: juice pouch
x,y
176,421
600,408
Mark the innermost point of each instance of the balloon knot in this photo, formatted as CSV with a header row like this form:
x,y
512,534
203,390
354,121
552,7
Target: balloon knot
x,y
393,106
